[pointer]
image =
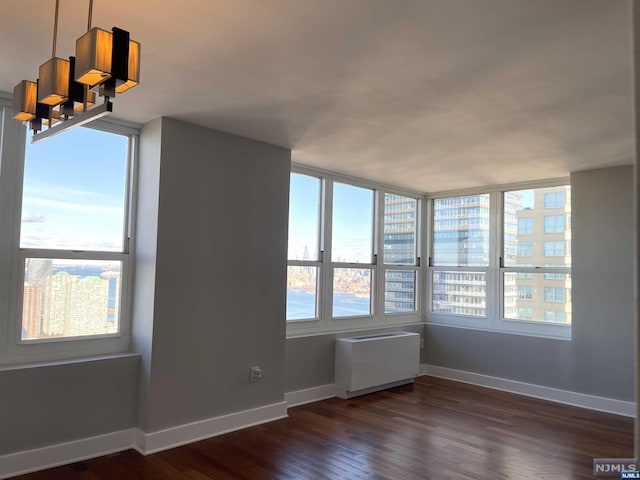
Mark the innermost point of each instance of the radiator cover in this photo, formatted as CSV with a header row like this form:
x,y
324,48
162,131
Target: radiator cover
x,y
375,362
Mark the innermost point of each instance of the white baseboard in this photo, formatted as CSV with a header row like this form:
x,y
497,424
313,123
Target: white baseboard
x,y
309,395
147,443
592,402
51,456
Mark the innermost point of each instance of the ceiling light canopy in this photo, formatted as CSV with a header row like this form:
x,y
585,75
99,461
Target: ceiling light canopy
x,y
106,63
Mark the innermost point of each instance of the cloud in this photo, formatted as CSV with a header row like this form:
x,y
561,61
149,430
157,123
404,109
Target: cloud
x,y
72,207
33,218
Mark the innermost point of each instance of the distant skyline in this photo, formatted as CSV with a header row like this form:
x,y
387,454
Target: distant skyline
x,y
352,224
74,191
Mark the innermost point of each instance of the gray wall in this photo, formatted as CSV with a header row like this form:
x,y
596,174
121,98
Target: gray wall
x,y
310,360
599,359
42,405
146,225
220,276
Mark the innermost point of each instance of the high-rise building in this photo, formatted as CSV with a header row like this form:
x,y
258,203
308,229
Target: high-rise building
x,y
31,319
400,249
57,301
544,239
88,311
76,306
37,270
461,230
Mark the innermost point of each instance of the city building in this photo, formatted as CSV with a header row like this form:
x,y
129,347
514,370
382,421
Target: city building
x,y
544,233
436,99
399,248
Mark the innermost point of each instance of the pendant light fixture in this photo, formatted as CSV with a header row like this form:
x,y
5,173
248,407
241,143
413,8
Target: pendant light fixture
x,y
105,64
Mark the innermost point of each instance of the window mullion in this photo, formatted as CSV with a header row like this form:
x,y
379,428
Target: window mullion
x,y
11,168
427,253
496,241
378,249
326,287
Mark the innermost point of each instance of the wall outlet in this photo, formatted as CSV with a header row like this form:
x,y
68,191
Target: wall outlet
x,y
255,374
421,342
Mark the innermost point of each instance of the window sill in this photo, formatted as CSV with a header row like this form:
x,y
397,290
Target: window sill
x,y
25,364
525,329
318,331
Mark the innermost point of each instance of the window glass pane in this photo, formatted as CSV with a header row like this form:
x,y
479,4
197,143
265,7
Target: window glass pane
x,y
554,199
351,292
460,293
461,231
304,217
399,291
533,297
74,191
535,231
399,230
352,238
554,224
302,288
525,226
554,249
70,298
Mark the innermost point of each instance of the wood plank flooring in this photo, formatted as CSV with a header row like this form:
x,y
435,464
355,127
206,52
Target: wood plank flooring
x,y
435,429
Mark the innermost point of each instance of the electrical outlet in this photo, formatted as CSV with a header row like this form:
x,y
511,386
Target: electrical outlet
x,y
255,374
421,342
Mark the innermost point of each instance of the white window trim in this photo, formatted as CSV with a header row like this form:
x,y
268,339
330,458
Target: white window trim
x,y
494,321
13,350
325,323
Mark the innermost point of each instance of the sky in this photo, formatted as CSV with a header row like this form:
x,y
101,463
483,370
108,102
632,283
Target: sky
x,y
352,220
74,191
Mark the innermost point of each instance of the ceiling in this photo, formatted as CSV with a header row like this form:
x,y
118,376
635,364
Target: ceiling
x,y
426,94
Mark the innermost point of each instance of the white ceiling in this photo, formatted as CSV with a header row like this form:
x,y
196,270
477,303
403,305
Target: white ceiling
x,y
427,94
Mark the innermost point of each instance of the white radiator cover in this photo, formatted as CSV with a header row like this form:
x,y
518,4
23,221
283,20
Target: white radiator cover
x,y
375,362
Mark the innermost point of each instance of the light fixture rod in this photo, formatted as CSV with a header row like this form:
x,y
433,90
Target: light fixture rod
x,y
55,29
79,119
90,15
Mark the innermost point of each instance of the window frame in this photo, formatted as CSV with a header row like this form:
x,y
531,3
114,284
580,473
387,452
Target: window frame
x,y
15,350
495,319
325,322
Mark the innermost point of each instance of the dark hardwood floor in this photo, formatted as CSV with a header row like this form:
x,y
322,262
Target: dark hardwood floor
x,y
435,429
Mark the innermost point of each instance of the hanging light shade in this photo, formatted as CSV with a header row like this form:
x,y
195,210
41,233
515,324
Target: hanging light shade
x,y
108,61
93,57
133,75
24,101
54,82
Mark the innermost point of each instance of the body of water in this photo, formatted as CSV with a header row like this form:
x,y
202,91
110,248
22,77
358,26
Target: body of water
x,y
301,304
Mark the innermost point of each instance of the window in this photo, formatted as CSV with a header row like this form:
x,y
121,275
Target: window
x,y
525,313
554,224
304,247
554,294
461,240
525,226
554,200
353,255
525,249
546,262
352,242
72,261
556,316
525,292
554,249
400,231
73,201
492,266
